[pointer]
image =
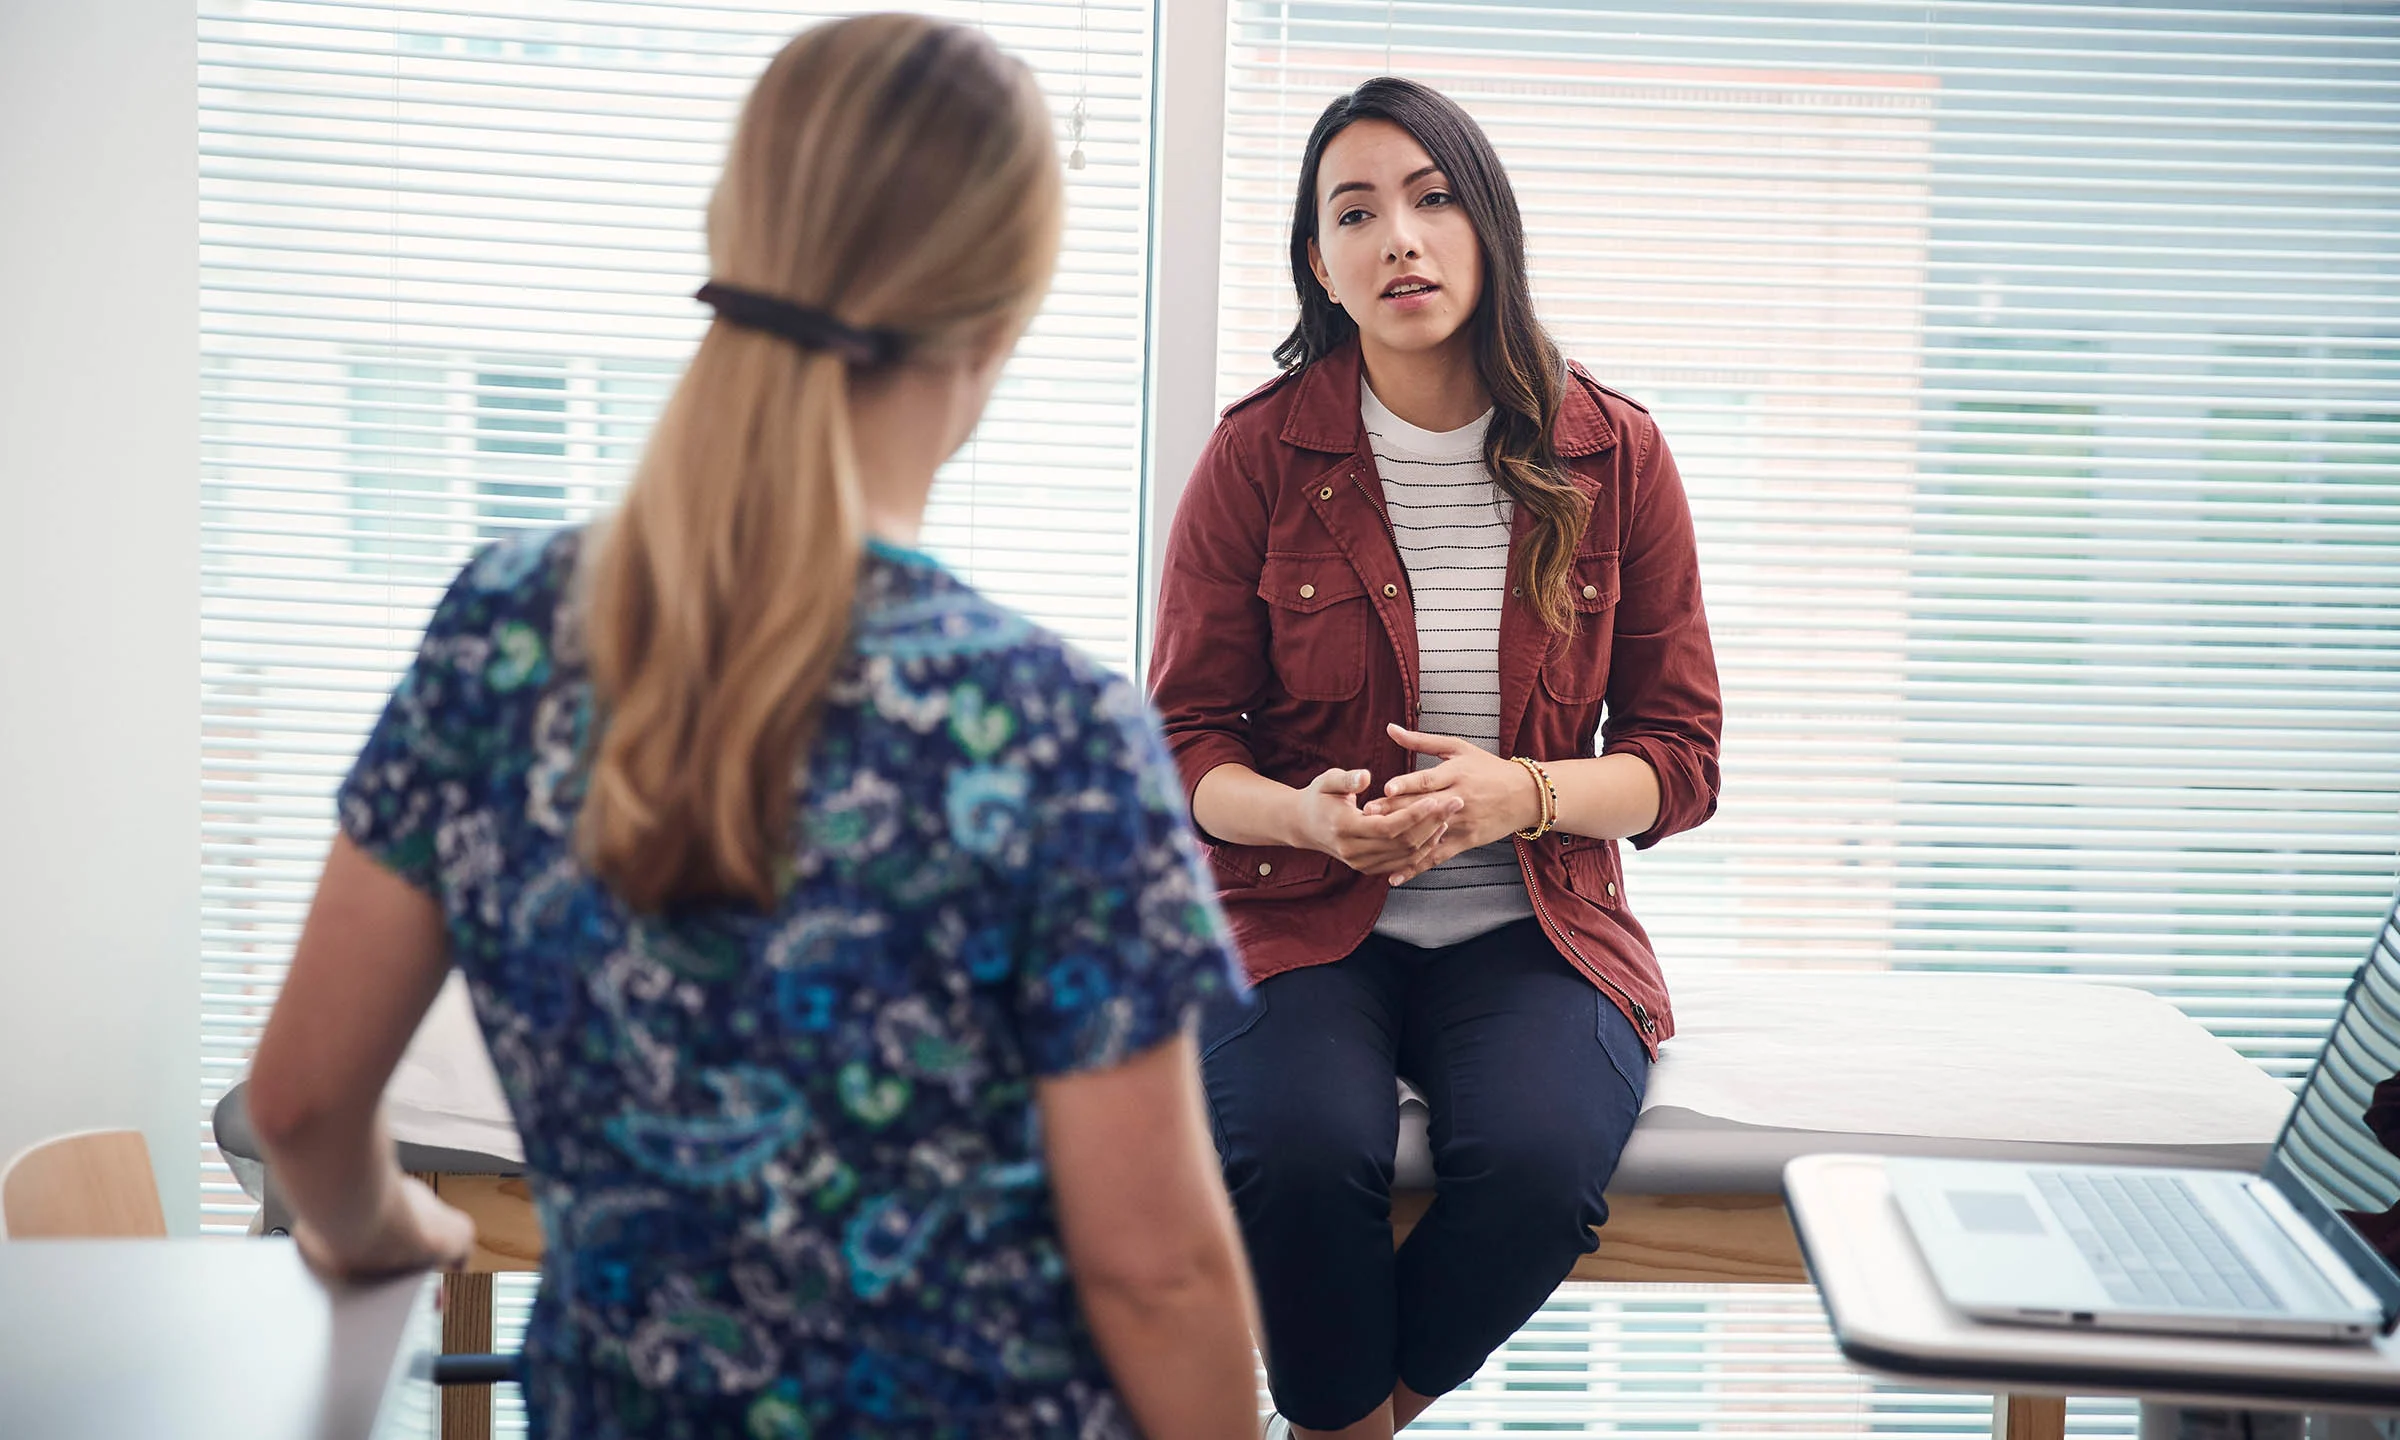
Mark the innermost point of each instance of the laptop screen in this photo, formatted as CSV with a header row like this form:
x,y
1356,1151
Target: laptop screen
x,y
2339,1158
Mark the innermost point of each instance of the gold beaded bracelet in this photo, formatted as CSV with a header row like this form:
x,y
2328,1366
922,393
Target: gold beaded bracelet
x,y
1545,791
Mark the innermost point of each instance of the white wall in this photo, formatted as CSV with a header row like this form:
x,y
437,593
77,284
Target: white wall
x,y
99,578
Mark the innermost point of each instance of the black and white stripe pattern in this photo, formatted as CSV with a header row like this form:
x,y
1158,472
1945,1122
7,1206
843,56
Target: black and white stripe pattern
x,y
1452,521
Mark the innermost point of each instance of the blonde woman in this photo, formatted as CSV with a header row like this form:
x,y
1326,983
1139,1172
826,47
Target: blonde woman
x,y
833,929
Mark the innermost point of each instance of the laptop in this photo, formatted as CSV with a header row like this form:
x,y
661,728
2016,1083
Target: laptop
x,y
2303,1250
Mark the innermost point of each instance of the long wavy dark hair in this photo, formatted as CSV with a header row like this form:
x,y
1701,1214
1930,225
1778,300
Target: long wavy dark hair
x,y
1519,363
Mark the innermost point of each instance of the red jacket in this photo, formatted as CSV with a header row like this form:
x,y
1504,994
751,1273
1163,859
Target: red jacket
x,y
1285,641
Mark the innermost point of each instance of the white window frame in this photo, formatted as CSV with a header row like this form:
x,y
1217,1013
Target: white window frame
x,y
1187,179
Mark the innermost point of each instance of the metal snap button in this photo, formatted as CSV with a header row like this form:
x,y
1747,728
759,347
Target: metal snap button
x,y
1266,869
1591,592
1390,590
1308,592
1326,493
1612,889
1516,590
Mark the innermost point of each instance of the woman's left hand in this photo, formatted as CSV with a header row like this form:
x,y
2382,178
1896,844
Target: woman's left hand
x,y
1499,796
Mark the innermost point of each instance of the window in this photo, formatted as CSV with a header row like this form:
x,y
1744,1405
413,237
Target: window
x,y
2030,369
395,449
520,445
448,255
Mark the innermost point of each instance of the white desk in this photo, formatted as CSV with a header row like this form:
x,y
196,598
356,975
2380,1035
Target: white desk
x,y
1889,1317
204,1340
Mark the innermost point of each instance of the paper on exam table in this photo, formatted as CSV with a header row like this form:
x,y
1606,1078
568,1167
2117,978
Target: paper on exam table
x,y
445,1091
1956,1056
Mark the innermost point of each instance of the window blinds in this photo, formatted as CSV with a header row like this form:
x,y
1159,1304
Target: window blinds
x,y
2034,370
448,253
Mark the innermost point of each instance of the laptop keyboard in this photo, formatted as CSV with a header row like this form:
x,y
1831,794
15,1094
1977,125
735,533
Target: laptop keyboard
x,y
2151,1243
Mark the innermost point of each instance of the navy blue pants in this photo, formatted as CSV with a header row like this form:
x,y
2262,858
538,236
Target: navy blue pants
x,y
1534,1079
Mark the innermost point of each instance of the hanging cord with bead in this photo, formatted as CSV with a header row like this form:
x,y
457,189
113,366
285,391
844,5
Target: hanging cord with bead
x,y
1083,97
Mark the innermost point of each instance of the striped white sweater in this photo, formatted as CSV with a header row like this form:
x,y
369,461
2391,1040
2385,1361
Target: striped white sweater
x,y
1452,521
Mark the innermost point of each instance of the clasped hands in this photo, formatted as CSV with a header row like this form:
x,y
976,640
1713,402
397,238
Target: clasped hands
x,y
1470,797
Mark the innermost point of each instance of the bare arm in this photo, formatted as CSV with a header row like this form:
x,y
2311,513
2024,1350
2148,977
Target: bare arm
x,y
1612,797
1150,1240
1242,807
370,960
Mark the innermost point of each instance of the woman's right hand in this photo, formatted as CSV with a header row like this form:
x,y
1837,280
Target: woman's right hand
x,y
416,1230
1403,838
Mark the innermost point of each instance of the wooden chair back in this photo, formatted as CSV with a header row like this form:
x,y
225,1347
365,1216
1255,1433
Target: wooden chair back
x,y
93,1185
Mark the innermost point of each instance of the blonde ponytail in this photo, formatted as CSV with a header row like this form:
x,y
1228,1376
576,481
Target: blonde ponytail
x,y
908,165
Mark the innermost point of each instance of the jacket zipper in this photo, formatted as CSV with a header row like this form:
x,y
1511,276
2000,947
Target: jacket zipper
x,y
1386,517
1409,682
1640,1012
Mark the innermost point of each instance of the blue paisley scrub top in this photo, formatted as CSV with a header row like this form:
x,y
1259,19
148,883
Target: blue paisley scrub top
x,y
787,1164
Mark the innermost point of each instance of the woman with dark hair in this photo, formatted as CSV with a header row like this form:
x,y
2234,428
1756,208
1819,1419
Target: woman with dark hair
x,y
1410,579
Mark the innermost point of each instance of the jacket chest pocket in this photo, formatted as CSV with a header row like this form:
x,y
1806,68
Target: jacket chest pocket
x,y
1575,672
1317,623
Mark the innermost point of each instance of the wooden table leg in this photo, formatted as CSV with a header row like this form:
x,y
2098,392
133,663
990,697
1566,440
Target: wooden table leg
x,y
466,1330
2029,1417
508,1238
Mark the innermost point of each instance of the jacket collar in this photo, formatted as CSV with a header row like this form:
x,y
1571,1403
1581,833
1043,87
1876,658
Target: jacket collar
x,y
1324,414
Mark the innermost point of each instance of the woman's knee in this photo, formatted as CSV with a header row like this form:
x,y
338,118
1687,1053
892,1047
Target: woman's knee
x,y
1306,1152
1533,1173
1302,1130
